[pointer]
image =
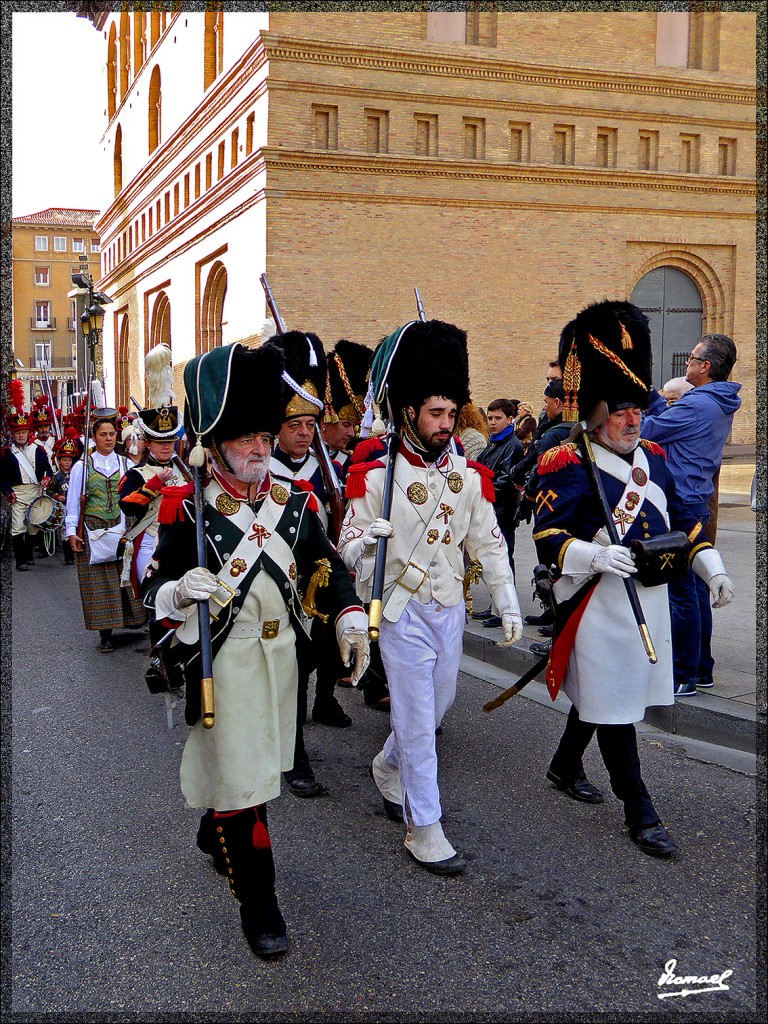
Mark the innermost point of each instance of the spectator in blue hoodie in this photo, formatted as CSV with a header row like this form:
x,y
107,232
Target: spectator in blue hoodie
x,y
693,432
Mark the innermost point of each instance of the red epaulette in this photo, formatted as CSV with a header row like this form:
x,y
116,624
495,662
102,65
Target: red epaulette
x,y
653,448
559,457
305,485
486,479
171,507
356,484
371,446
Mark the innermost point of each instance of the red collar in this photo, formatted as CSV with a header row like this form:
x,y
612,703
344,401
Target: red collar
x,y
266,484
411,456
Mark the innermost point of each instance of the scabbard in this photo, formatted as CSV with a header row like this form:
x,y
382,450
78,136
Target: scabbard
x,y
512,691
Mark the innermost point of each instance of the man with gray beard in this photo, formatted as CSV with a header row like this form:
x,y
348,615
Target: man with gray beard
x,y
269,568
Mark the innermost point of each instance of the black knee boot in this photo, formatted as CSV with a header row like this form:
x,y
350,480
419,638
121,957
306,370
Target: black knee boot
x,y
244,841
20,552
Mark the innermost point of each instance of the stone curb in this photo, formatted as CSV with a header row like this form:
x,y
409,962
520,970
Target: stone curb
x,y
704,717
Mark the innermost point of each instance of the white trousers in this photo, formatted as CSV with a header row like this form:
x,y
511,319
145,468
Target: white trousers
x,y
421,654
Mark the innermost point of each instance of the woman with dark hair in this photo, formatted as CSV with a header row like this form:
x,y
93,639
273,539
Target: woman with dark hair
x,y
96,541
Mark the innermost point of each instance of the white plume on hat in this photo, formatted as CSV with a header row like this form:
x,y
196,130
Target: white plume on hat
x,y
267,330
159,374
97,394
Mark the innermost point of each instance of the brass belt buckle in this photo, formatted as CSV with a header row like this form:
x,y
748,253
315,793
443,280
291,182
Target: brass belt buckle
x,y
222,597
270,628
412,565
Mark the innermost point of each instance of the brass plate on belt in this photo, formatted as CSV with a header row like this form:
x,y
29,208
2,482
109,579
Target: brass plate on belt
x,y
226,504
270,628
455,482
417,493
280,494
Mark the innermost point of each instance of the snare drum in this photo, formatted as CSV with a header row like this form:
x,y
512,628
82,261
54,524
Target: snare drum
x,y
45,513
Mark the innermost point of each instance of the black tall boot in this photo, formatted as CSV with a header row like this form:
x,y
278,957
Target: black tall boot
x,y
29,544
20,552
247,850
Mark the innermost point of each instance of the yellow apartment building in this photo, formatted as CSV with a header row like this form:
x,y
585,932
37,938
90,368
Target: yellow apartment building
x,y
514,166
48,247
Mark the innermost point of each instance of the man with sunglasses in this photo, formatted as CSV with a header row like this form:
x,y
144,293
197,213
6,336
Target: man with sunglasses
x,y
693,432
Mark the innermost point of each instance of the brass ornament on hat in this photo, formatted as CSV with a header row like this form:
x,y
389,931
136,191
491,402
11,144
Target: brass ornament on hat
x,y
299,406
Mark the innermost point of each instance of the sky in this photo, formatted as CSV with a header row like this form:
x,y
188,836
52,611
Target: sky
x,y
59,98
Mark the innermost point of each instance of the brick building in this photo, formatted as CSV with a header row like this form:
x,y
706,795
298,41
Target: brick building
x,y
48,247
512,166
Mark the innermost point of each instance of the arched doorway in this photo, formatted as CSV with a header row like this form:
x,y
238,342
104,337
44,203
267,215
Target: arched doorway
x,y
212,309
122,365
672,302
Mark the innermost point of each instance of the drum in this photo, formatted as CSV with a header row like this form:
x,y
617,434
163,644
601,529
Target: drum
x,y
45,513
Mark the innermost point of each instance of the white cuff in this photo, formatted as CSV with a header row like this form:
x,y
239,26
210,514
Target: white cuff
x,y
165,605
577,560
505,600
351,618
708,563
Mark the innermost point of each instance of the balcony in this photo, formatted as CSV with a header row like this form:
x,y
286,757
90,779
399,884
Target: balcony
x,y
43,325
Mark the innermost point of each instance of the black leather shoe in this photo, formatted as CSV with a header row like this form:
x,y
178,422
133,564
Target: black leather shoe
x,y
492,622
545,619
653,839
545,630
481,615
540,648
331,713
302,783
392,810
267,946
579,789
455,865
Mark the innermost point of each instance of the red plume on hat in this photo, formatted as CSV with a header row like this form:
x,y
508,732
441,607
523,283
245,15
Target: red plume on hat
x,y
16,395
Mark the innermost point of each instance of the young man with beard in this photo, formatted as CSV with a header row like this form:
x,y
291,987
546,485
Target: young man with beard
x,y
598,655
442,505
269,567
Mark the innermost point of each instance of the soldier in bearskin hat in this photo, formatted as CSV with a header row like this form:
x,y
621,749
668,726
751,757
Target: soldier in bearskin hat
x,y
349,366
24,474
274,567
140,490
603,515
442,505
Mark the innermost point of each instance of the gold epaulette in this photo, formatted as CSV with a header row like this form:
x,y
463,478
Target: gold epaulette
x,y
559,457
652,447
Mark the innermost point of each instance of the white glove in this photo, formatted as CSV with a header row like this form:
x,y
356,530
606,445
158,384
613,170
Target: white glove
x,y
196,585
378,528
720,590
614,559
355,651
512,624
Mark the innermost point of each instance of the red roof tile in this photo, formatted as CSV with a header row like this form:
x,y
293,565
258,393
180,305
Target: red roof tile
x,y
58,217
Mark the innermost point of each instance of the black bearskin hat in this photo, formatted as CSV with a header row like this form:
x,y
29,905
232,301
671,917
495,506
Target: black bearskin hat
x,y
605,355
307,366
233,390
348,370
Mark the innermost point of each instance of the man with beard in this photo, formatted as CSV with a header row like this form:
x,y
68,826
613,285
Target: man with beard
x,y
442,505
269,567
598,655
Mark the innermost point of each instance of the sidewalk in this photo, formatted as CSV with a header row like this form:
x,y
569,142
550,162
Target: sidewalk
x,y
728,713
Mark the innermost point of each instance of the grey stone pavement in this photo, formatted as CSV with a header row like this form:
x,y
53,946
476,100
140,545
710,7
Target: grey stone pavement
x,y
733,712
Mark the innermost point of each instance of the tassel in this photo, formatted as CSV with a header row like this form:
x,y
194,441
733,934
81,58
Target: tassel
x,y
365,450
626,340
305,485
357,484
197,455
312,353
260,837
557,458
172,506
653,448
486,480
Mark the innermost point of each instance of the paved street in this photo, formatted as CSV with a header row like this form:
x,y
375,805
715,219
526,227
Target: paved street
x,y
116,912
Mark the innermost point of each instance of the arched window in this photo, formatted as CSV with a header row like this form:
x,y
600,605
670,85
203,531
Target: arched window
x,y
155,104
672,302
122,364
112,72
160,327
139,40
125,53
118,160
213,54
212,309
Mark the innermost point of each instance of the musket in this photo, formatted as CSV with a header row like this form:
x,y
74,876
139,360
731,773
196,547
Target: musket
x,y
580,434
420,307
86,453
375,608
56,430
140,408
203,610
319,445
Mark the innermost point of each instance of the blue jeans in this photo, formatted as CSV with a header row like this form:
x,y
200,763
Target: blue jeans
x,y
691,616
